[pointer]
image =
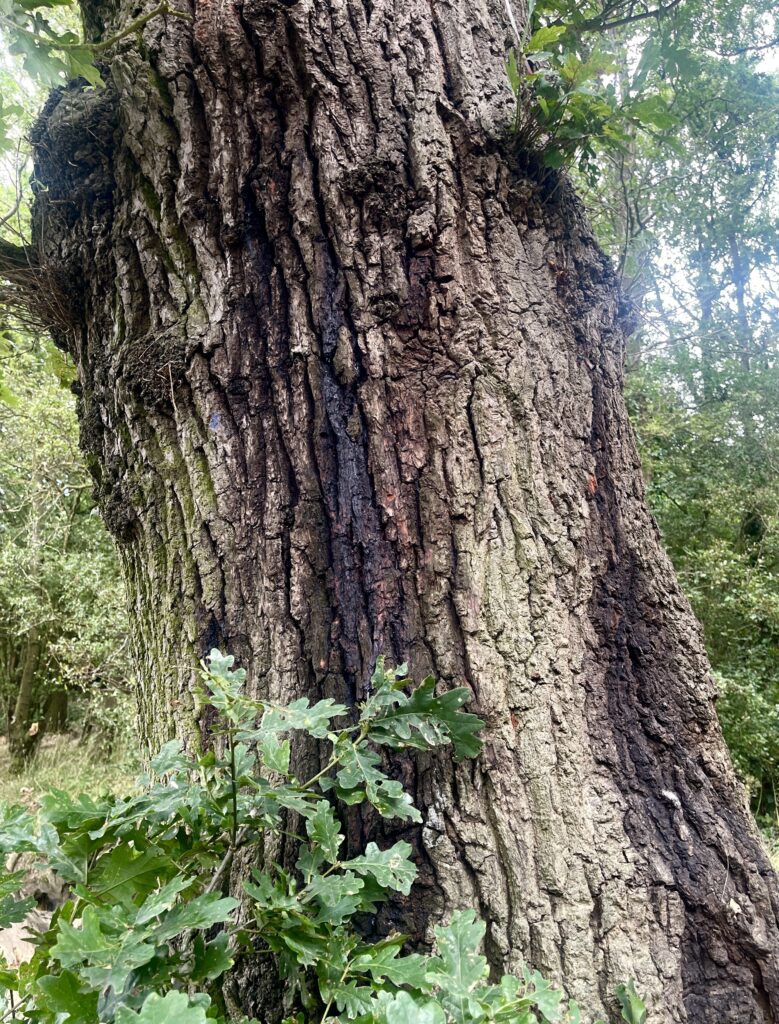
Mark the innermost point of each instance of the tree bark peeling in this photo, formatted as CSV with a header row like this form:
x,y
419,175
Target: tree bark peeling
x,y
351,384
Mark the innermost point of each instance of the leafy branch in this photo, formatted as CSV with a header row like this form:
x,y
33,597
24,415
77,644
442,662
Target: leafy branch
x,y
573,96
52,56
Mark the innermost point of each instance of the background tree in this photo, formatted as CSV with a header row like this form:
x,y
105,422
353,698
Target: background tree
x,y
61,609
350,372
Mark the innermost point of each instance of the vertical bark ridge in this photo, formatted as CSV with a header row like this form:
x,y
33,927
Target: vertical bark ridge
x,y
351,384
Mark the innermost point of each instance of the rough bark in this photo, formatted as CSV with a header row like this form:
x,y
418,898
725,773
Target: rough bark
x,y
351,383
24,734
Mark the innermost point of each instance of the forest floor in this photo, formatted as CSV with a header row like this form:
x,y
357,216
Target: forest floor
x,y
70,763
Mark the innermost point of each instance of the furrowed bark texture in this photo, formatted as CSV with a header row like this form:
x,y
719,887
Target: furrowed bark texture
x,y
352,384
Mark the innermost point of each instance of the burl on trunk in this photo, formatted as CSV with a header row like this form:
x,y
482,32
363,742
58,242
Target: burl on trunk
x,y
351,383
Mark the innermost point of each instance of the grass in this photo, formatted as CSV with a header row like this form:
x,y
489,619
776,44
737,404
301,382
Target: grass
x,y
71,764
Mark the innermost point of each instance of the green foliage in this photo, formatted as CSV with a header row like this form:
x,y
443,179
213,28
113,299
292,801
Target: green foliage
x,y
172,1008
593,80
711,483
578,93
45,36
50,51
13,909
147,933
695,236
633,1009
62,621
423,720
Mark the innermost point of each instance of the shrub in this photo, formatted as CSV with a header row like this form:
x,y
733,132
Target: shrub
x,y
147,931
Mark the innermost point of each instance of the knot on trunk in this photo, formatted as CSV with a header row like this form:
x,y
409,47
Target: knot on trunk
x,y
73,185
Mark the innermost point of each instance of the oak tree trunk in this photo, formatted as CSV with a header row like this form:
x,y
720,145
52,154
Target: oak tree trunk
x,y
351,383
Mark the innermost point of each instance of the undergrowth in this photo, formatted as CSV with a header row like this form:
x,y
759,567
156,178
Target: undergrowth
x,y
97,755
152,923
71,764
